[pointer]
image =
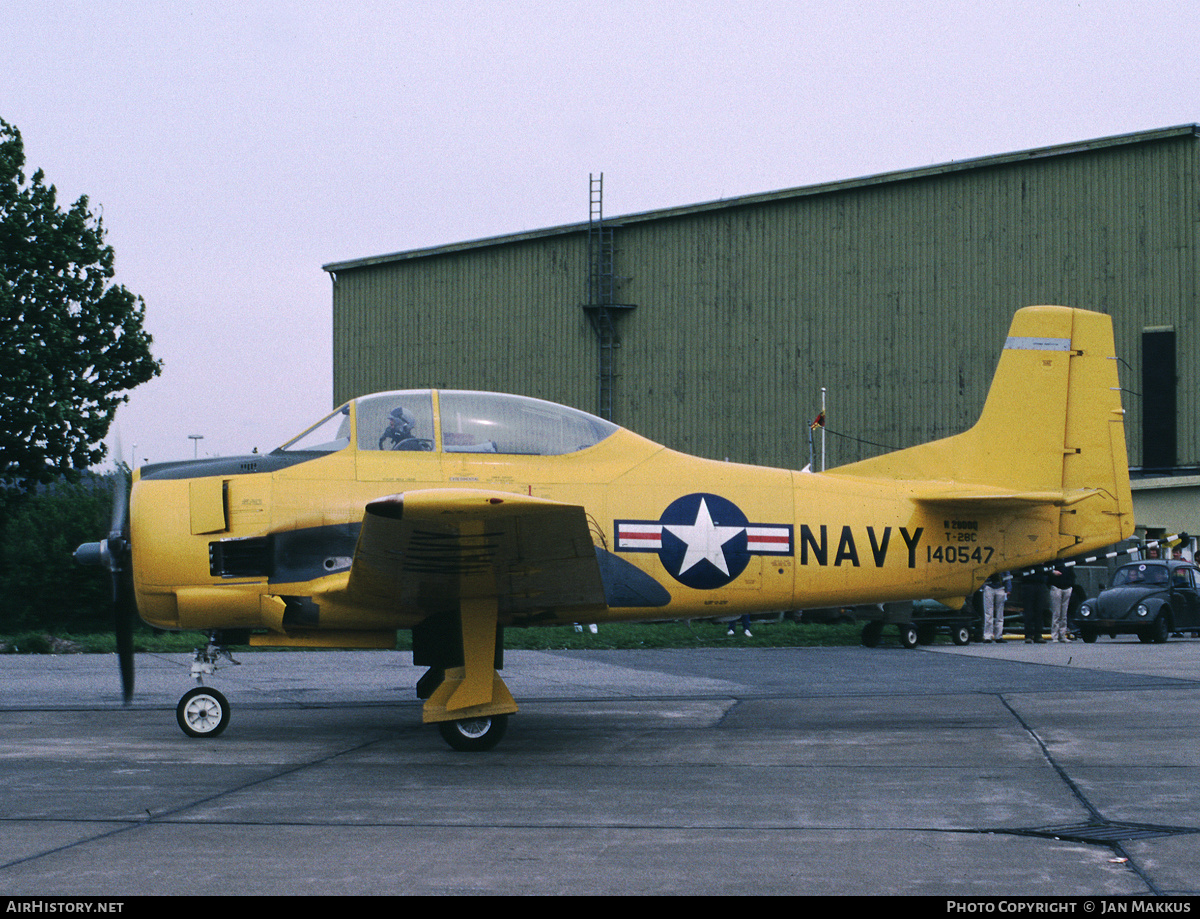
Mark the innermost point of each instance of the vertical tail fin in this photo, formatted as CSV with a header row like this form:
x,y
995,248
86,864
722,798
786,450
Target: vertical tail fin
x,y
1051,433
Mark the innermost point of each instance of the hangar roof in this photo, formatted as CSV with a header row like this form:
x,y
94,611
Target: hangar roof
x,y
1001,159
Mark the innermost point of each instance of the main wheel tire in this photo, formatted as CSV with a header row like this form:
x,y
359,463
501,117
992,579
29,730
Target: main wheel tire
x,y
472,735
202,712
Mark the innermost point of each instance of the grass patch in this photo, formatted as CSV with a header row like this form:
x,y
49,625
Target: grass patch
x,y
610,636
144,639
694,634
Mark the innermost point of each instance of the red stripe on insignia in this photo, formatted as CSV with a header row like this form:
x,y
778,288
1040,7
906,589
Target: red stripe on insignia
x,y
639,536
768,539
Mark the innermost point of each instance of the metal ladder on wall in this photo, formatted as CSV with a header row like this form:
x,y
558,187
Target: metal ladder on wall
x,y
600,307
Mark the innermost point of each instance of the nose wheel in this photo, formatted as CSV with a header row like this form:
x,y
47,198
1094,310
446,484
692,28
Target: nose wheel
x,y
202,712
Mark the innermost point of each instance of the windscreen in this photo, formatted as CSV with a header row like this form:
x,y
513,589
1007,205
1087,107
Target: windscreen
x,y
328,435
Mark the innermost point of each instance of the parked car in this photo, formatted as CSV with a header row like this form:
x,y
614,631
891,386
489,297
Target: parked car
x,y
1150,599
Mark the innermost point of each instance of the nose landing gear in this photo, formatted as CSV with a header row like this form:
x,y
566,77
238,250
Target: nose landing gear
x,y
203,711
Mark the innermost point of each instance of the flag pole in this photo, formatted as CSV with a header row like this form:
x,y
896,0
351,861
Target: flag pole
x,y
818,422
822,428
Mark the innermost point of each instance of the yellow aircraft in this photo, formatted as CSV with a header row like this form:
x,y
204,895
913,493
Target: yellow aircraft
x,y
458,514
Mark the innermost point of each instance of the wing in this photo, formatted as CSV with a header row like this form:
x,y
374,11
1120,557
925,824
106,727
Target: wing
x,y
423,552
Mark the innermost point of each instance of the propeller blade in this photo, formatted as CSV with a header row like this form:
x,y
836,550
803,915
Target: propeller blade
x,y
124,599
124,619
120,512
120,506
115,554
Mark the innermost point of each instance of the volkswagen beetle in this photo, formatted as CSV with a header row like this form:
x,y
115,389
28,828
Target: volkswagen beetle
x,y
1150,599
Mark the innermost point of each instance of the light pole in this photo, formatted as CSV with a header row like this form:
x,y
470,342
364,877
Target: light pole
x,y
195,439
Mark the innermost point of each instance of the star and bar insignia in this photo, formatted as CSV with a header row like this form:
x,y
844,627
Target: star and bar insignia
x,y
704,541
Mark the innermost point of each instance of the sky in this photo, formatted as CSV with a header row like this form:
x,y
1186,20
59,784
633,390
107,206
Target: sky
x,y
235,148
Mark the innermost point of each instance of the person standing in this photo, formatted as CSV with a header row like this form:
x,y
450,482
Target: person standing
x,y
1035,597
742,623
1061,581
994,595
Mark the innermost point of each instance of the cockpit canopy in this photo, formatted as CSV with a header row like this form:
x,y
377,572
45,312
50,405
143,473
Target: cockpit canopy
x,y
454,421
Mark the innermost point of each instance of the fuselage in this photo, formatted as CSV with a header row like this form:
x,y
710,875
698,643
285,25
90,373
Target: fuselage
x,y
267,541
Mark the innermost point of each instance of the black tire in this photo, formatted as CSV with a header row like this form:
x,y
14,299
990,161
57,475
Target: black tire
x,y
473,735
871,633
202,712
908,636
1089,635
961,634
1160,629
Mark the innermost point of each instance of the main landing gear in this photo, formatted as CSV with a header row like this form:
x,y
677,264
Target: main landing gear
x,y
463,692
203,711
472,735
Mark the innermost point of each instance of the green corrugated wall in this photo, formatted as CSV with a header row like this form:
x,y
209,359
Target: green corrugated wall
x,y
893,292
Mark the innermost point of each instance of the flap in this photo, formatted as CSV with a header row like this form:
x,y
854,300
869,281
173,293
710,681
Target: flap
x,y
424,551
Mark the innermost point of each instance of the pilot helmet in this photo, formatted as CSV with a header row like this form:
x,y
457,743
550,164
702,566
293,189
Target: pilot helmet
x,y
400,422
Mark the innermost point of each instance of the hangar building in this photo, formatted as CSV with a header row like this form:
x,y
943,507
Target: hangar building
x,y
719,328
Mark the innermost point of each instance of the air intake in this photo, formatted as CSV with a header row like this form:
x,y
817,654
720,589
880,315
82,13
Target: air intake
x,y
241,558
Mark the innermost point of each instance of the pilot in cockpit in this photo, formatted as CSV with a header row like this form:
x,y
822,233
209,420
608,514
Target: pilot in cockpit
x,y
399,433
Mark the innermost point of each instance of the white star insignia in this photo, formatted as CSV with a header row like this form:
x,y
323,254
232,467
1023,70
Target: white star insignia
x,y
704,540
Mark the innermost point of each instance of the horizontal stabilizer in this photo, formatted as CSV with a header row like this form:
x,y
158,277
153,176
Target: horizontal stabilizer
x,y
986,501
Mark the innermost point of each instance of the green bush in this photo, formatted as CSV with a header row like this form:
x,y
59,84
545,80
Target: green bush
x,y
41,585
27,643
